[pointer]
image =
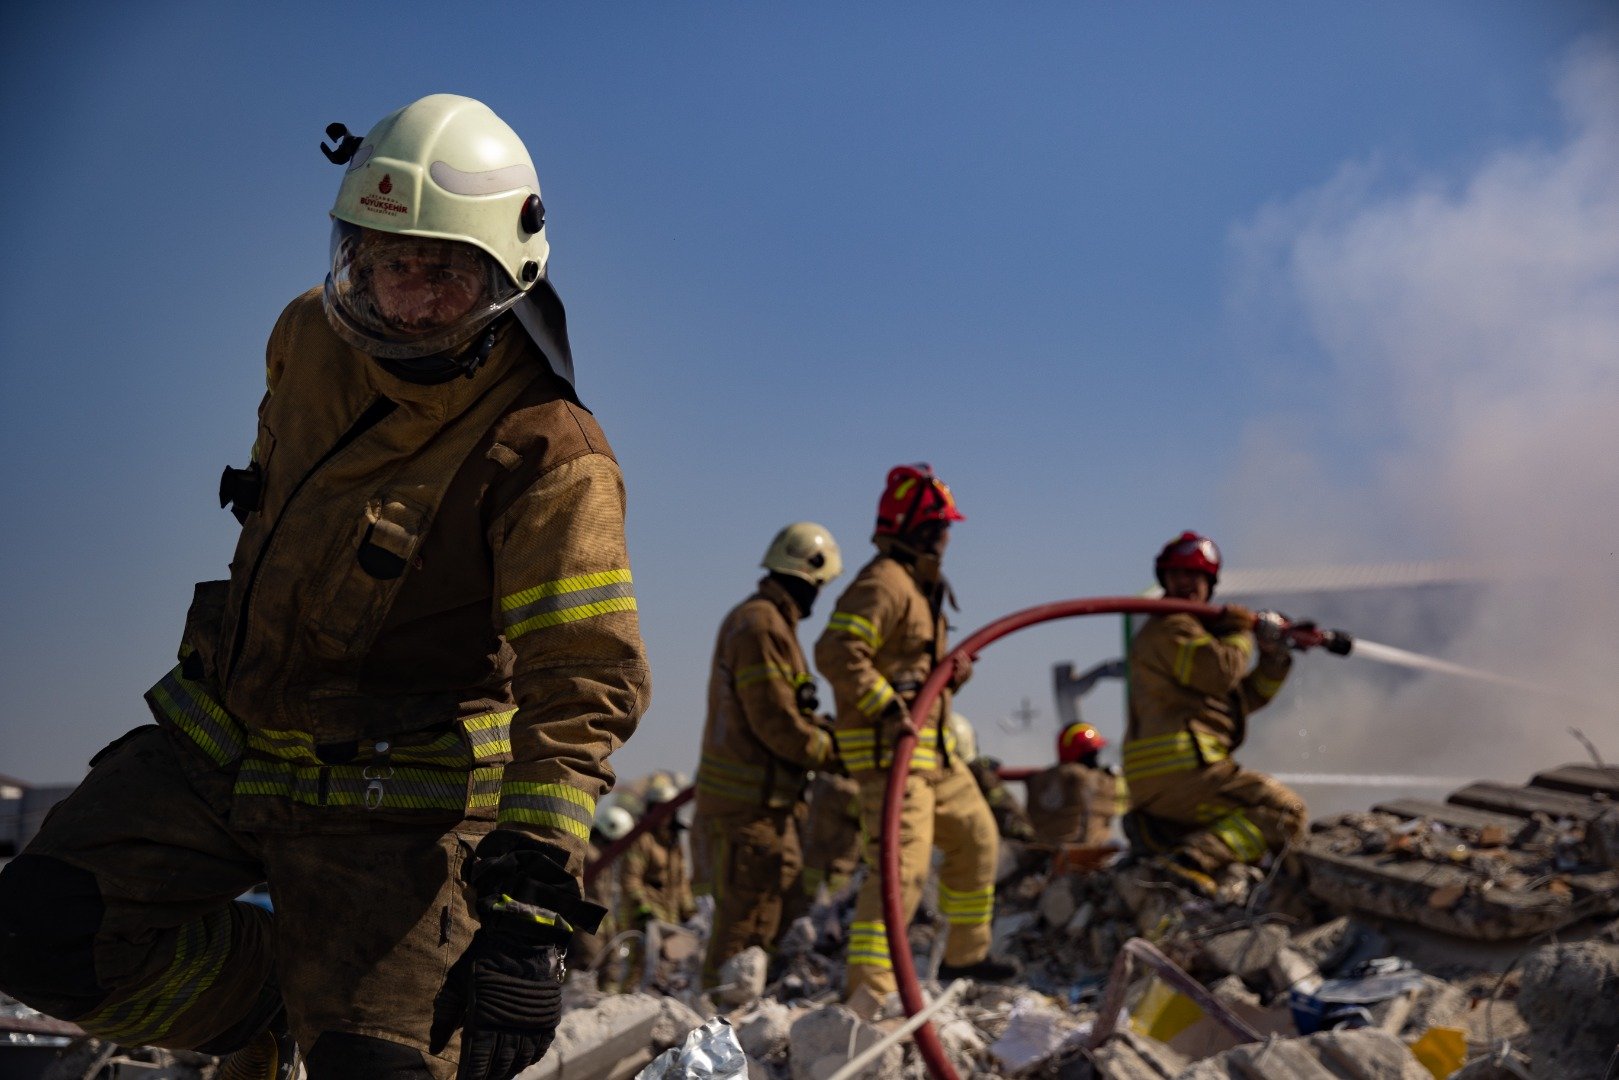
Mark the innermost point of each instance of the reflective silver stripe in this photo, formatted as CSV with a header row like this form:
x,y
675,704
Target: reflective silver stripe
x,y
195,712
547,604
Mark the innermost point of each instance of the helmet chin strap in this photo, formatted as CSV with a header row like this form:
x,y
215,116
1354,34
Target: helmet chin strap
x,y
444,366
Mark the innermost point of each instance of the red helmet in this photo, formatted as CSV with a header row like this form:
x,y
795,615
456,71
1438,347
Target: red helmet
x,y
914,496
1077,740
1189,551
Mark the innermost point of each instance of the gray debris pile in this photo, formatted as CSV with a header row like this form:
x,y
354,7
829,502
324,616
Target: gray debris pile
x,y
1363,956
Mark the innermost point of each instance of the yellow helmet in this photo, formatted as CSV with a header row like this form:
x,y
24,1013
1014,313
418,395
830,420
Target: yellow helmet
x,y
445,185
805,550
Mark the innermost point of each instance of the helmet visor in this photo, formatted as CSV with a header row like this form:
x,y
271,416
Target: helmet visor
x,y
404,297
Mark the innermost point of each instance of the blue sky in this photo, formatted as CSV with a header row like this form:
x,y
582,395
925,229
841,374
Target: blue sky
x,y
1112,269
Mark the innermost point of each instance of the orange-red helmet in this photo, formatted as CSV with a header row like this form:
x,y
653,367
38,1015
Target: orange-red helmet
x,y
1077,740
914,496
1189,551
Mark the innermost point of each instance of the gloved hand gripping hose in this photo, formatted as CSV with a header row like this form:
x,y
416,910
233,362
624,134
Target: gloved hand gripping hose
x,y
505,993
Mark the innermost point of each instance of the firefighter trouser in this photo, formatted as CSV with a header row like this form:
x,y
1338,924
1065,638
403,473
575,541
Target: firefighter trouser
x,y
943,808
121,917
756,870
832,840
1235,814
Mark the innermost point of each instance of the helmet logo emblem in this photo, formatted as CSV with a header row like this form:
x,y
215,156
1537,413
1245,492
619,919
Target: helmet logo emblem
x,y
386,184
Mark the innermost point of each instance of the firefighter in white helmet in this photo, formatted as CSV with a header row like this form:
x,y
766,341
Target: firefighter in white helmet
x,y
399,707
761,740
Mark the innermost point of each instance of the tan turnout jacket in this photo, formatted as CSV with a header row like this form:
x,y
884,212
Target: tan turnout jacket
x,y
758,741
654,883
879,646
1190,696
1071,803
430,612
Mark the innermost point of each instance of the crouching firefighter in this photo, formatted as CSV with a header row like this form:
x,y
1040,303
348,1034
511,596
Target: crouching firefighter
x,y
398,709
761,739
1192,686
879,647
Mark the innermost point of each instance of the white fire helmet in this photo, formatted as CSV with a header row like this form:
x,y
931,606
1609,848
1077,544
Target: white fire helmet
x,y
614,822
662,789
438,228
805,550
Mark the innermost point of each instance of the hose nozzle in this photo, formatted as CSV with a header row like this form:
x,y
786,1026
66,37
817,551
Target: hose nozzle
x,y
1303,634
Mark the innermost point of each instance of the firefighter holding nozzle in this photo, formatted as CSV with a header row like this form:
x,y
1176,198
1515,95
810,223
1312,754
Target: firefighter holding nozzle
x,y
1193,684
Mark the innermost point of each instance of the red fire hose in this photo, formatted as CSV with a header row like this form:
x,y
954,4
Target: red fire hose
x,y
894,915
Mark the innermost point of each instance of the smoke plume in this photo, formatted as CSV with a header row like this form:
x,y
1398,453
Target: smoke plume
x,y
1446,353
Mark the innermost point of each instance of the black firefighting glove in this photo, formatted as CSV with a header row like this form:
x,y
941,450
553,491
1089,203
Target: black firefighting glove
x,y
807,697
505,993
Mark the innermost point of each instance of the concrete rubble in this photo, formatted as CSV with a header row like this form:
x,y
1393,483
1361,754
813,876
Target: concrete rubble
x,y
1287,974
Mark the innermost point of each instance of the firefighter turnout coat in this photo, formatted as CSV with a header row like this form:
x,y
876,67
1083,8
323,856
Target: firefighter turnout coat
x,y
1191,693
430,610
761,736
429,631
880,645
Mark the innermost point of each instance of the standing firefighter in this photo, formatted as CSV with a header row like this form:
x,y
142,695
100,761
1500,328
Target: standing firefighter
x,y
1191,690
654,881
761,739
880,645
398,709
1075,800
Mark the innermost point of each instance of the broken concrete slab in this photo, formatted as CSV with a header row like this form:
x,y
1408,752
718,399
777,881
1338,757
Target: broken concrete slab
x,y
1569,995
1244,952
1130,1056
1035,1031
675,1021
1366,1054
822,1041
742,977
764,1030
609,1041
1494,862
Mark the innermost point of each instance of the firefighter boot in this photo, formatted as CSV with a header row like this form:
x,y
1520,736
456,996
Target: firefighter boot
x,y
270,1055
1184,871
989,969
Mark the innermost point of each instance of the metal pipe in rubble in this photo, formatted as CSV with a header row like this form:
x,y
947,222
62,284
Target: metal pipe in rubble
x,y
657,815
894,914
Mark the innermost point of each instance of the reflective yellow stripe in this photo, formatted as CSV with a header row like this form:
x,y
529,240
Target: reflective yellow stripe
x,y
875,700
1241,642
868,945
857,749
1187,654
566,600
758,673
1172,753
201,950
507,906
971,907
489,735
402,787
188,705
857,626
728,781
1265,687
556,806
1241,835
